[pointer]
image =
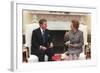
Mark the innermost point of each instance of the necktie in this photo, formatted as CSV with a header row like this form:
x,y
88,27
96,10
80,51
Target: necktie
x,y
44,37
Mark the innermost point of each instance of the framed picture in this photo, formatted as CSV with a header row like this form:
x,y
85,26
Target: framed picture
x,y
26,19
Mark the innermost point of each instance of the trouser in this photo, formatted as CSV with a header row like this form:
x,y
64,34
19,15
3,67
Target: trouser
x,y
41,54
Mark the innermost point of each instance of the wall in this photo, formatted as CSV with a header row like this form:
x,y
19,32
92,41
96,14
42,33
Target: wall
x,y
29,17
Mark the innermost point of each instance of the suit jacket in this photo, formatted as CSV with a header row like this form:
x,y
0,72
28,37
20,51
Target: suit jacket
x,y
37,40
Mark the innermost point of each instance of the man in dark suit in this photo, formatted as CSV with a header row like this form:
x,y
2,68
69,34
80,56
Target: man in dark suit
x,y
41,42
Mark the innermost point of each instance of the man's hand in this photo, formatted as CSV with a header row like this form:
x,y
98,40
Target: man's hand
x,y
43,48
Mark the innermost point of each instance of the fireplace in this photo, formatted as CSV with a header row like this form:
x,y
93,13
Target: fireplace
x,y
58,40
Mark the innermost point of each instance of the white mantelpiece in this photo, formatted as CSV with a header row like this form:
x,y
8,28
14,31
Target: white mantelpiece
x,y
58,25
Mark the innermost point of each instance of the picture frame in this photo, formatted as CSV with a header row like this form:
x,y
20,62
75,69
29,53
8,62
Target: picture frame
x,y
17,27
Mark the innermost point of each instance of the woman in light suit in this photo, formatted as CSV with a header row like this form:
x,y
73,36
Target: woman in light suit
x,y
74,40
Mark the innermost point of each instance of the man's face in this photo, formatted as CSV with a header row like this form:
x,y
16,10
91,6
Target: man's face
x,y
44,25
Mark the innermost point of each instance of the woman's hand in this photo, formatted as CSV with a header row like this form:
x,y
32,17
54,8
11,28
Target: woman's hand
x,y
70,45
73,45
